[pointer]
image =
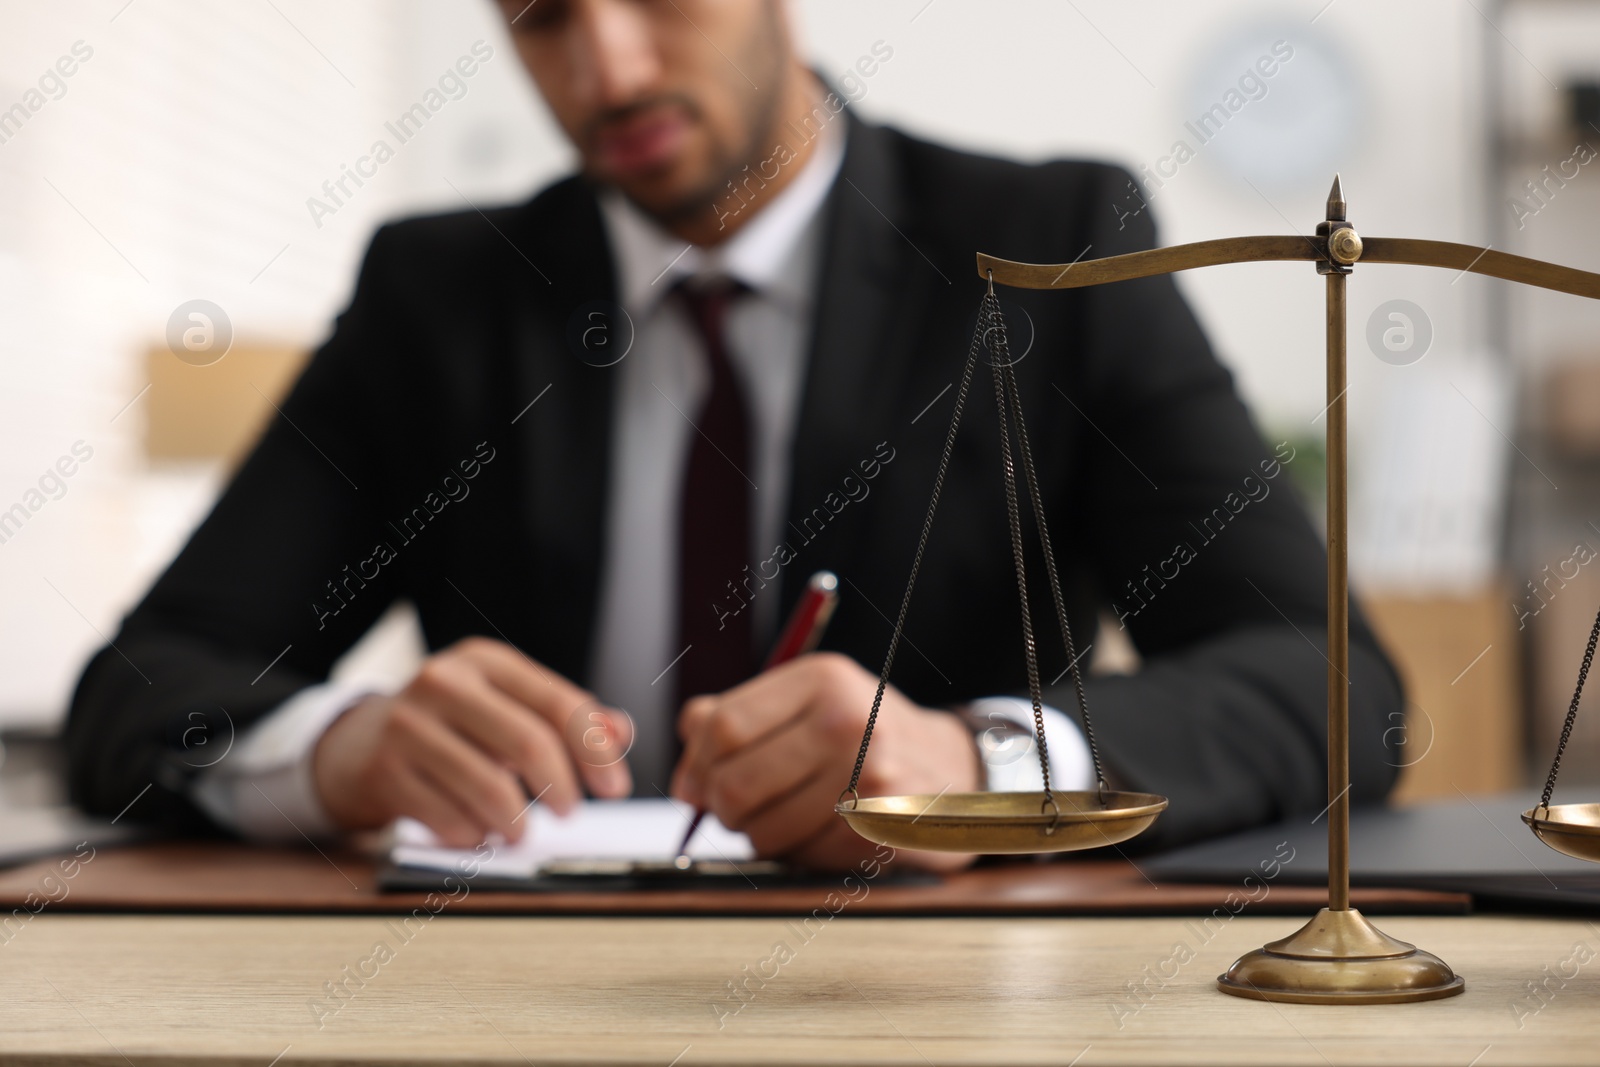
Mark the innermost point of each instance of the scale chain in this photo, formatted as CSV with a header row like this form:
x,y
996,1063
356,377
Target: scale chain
x,y
999,353
990,334
916,562
1572,714
1055,581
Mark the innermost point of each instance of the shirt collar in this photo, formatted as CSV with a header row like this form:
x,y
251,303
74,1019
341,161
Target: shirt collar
x,y
766,254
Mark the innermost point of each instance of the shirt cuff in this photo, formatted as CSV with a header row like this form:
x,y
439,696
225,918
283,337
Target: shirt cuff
x,y
263,788
1010,757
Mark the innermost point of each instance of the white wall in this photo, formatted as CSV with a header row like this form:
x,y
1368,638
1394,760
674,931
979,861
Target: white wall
x,y
1119,80
178,163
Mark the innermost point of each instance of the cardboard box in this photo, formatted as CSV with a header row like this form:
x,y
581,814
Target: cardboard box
x,y
217,410
1460,658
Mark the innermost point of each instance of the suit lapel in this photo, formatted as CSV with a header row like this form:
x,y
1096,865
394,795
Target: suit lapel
x,y
563,440
858,363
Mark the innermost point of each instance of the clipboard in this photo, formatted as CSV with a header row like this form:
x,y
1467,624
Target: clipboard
x,y
612,876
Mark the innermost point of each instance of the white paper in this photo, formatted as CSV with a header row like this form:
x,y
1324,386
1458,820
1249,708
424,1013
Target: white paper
x,y
645,830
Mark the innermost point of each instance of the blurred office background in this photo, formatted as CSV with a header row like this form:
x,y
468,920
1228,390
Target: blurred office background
x,y
176,161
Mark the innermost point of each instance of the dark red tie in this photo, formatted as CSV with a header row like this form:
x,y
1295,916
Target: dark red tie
x,y
714,518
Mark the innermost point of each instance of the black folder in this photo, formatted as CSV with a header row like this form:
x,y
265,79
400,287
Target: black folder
x,y
1476,845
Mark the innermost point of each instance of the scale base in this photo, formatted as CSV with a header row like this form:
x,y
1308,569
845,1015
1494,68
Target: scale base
x,y
1340,958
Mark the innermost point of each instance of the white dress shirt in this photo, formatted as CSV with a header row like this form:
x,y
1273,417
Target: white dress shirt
x,y
265,790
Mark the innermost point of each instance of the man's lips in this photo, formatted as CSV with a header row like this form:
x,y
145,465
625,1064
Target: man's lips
x,y
639,143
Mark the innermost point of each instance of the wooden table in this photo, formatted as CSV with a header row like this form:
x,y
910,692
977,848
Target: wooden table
x,y
215,876
255,990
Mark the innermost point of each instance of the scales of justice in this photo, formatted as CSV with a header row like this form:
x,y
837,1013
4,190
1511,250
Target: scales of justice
x,y
1339,957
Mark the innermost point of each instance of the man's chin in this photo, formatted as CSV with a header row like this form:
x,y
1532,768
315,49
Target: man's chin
x,y
665,196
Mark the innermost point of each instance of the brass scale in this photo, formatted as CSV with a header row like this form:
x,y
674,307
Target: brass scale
x,y
1339,957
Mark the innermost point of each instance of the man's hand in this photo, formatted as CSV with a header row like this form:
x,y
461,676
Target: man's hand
x,y
479,730
769,757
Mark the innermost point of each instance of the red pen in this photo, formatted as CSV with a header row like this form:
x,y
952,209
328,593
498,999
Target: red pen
x,y
800,635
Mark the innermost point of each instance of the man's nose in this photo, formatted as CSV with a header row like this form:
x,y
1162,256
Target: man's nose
x,y
615,59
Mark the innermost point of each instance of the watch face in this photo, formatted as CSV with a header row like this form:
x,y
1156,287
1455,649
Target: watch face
x,y
1276,103
1001,741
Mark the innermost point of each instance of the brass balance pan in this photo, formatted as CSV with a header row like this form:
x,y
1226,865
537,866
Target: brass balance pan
x,y
992,823
1570,828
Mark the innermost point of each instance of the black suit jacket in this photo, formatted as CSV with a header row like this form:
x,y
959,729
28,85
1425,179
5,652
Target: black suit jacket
x,y
459,321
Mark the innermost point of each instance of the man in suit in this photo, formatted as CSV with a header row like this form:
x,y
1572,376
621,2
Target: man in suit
x,y
600,440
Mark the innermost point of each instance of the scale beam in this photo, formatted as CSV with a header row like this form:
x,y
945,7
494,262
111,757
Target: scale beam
x,y
1487,262
1266,249
1155,261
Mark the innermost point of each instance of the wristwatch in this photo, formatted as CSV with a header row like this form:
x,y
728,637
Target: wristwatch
x,y
1001,741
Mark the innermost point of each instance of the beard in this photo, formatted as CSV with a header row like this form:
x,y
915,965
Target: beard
x,y
765,59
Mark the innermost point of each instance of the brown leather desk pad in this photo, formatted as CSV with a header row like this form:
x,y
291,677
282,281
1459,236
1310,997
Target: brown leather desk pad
x,y
225,877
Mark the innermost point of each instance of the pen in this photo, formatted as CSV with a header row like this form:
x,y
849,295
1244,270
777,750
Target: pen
x,y
800,635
